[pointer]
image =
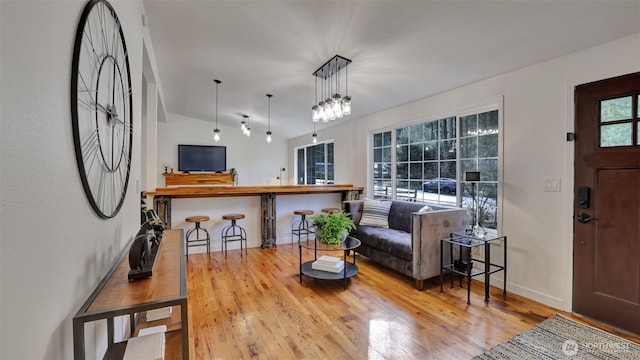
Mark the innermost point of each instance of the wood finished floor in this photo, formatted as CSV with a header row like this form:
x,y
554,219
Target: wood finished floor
x,y
253,306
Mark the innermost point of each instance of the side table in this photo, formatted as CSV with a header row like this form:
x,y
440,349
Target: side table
x,y
469,241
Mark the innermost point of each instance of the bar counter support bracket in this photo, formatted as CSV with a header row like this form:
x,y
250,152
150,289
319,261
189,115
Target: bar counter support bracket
x,y
162,206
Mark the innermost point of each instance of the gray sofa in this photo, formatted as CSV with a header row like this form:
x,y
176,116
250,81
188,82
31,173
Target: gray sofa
x,y
411,244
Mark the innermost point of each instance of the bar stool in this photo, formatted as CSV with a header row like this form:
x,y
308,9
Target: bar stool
x,y
198,241
302,227
233,232
331,210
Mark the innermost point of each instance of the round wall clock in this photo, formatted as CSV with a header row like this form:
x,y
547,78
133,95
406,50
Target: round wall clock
x,y
102,108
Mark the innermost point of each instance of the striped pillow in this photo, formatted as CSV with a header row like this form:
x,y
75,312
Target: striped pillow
x,y
375,213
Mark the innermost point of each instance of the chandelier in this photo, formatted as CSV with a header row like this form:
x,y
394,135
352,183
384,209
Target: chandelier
x,y
334,106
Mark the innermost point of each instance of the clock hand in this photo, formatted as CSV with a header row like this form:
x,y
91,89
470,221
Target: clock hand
x,y
105,109
114,114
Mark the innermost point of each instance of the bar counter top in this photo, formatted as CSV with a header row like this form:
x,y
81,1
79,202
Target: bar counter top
x,y
220,191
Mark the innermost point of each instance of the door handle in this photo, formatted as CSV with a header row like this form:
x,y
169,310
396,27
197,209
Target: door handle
x,y
585,218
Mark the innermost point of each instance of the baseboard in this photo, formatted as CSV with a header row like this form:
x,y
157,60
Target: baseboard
x,y
535,295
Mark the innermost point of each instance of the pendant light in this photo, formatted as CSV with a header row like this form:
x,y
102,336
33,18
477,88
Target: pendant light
x,y
248,132
332,105
314,136
346,100
216,132
269,118
243,124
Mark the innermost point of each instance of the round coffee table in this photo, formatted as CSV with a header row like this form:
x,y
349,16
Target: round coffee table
x,y
350,268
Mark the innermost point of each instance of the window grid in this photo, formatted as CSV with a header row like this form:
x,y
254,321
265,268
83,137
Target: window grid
x,y
382,152
431,159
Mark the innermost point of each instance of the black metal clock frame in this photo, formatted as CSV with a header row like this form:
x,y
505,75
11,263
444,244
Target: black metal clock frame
x,y
102,130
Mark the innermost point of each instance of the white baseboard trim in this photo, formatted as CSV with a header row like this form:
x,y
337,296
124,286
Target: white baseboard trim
x,y
535,295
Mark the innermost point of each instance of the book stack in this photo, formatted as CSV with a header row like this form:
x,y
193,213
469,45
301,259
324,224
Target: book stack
x,y
148,345
157,314
328,263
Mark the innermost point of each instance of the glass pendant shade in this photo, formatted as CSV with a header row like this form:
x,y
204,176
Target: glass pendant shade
x,y
216,135
346,105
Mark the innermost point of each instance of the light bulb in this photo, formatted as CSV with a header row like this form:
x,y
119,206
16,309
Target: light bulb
x,y
328,110
248,131
315,138
269,137
216,135
315,113
346,105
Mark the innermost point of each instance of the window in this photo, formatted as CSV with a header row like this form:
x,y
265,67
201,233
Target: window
x,y
315,164
382,165
616,121
429,161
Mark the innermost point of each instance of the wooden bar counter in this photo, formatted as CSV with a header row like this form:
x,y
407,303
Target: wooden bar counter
x,y
162,199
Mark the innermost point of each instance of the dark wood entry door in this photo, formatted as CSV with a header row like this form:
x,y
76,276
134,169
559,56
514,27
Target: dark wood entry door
x,y
606,244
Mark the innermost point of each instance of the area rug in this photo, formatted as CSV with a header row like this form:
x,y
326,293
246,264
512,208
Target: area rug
x,y
561,338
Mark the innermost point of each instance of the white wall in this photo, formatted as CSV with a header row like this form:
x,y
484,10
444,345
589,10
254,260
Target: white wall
x,y
538,112
53,248
257,162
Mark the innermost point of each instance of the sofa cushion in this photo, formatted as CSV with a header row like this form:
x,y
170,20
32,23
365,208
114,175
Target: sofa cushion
x,y
375,213
400,216
394,242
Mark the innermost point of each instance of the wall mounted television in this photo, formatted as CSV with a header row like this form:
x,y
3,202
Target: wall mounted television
x,y
202,158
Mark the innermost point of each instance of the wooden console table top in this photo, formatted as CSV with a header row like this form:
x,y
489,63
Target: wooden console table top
x,y
118,291
219,191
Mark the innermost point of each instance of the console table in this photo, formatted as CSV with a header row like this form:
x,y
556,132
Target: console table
x,y
117,296
162,200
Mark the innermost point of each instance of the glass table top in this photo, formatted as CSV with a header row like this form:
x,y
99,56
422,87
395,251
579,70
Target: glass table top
x,y
349,243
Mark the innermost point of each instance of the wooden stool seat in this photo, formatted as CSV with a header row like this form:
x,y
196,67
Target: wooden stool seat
x,y
302,227
196,218
330,210
232,216
233,232
198,240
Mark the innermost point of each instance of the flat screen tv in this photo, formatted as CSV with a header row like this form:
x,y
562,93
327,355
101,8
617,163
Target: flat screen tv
x,y
202,158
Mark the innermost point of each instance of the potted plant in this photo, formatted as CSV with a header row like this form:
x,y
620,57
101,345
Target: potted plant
x,y
333,228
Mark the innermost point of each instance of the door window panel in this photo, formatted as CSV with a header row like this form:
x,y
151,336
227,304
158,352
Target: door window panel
x,y
616,135
616,109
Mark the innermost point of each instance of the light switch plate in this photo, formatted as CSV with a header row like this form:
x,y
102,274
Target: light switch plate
x,y
552,184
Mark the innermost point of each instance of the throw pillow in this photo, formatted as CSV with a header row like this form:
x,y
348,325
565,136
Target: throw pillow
x,y
375,213
425,209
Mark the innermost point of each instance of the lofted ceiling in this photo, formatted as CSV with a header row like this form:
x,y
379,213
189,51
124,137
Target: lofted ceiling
x,y
401,50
